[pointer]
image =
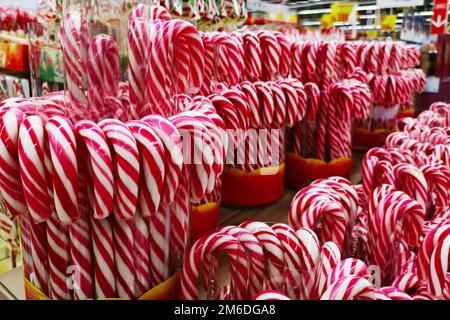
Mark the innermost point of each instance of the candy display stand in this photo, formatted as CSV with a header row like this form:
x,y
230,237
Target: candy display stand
x,y
204,219
259,187
303,171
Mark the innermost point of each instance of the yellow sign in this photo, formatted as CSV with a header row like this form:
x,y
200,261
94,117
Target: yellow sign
x,y
372,34
326,21
388,22
340,11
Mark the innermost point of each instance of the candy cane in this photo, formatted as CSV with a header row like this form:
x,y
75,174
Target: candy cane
x,y
255,252
205,248
74,47
10,183
273,250
63,149
291,246
103,71
151,150
138,47
349,288
32,168
102,167
252,49
270,295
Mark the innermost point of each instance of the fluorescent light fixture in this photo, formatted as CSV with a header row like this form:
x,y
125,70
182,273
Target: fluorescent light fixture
x,y
311,23
367,16
318,11
372,7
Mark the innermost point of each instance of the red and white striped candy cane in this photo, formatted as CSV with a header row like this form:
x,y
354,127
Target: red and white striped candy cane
x,y
329,258
181,47
198,150
104,263
437,177
229,61
252,98
63,151
32,168
142,254
103,72
173,148
385,210
201,251
271,52
74,45
138,54
406,282
273,250
59,258
310,248
254,250
292,102
285,58
294,268
208,85
151,150
438,269
270,295
428,251
126,167
313,204
252,53
101,165
350,288
10,183
172,143
348,267
413,182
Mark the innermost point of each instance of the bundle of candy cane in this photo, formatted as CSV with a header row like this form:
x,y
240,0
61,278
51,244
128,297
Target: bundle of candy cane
x,y
260,257
392,251
314,257
125,216
103,192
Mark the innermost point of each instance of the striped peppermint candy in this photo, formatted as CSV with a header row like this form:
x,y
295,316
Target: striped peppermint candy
x,y
252,53
74,44
291,246
126,167
32,168
202,250
270,295
347,267
138,54
10,182
198,151
142,254
330,256
63,151
104,263
151,151
103,72
102,166
254,250
273,250
350,288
